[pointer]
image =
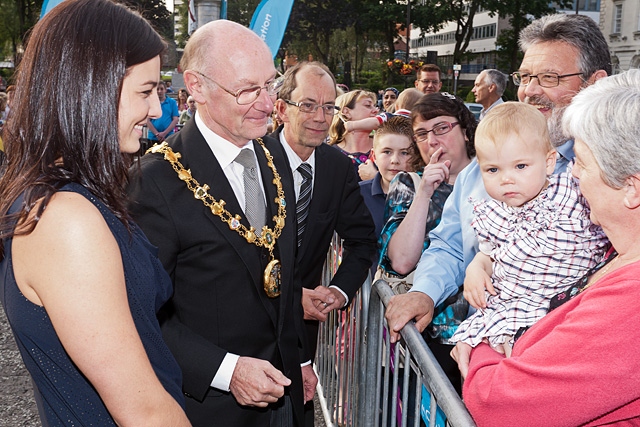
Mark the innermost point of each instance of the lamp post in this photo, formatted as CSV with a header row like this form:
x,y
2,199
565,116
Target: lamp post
x,y
408,31
408,27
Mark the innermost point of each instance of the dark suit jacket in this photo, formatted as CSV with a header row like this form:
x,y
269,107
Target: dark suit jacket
x,y
219,304
336,205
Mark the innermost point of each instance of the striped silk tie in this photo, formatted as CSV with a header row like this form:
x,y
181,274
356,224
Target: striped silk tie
x,y
302,206
254,207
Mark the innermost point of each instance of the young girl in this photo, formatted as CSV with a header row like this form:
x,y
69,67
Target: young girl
x,y
354,105
403,106
535,234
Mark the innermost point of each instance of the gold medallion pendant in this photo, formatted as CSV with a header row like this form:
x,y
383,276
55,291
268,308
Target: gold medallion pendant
x,y
271,277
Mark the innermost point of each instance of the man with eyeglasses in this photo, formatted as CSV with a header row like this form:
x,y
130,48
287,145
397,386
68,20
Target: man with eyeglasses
x,y
562,55
327,194
217,205
428,79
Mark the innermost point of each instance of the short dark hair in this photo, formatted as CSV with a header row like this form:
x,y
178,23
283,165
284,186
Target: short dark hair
x,y
50,141
444,104
429,68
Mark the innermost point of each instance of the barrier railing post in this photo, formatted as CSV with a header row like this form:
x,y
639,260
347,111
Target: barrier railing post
x,y
430,373
352,388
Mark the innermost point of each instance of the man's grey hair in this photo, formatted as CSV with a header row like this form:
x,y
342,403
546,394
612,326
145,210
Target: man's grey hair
x,y
497,78
578,31
605,117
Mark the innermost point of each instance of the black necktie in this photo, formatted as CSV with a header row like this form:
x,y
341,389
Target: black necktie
x,y
302,205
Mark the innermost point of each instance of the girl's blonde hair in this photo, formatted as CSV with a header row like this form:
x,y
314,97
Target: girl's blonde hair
x,y
337,131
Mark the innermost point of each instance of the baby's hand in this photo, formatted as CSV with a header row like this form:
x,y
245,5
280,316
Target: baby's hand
x,y
475,283
505,348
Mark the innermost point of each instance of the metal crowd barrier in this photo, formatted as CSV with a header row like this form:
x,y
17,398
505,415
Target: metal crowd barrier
x,y
365,381
338,356
432,398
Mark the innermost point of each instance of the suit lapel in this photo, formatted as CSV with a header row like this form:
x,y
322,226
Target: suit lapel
x,y
319,199
285,245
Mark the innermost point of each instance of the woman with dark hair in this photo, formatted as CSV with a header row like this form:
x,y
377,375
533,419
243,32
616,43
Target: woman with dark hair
x,y
183,97
443,133
389,98
79,281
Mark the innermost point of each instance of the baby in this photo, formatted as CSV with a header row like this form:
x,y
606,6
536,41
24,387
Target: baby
x,y
535,235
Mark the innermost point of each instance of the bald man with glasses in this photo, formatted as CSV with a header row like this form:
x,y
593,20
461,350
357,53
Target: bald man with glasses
x,y
216,203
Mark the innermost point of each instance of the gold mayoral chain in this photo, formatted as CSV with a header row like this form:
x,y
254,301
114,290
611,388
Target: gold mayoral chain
x,y
271,276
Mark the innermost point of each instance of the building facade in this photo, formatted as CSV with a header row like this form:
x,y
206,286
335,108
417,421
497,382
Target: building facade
x,y
620,24
482,46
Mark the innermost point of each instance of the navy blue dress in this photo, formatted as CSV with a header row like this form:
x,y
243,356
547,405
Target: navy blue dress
x,y
68,399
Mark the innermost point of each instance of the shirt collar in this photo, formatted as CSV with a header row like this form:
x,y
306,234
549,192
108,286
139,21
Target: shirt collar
x,y
294,159
224,151
376,185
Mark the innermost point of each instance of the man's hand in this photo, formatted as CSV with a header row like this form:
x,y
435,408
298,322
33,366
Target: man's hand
x,y
416,306
461,353
256,382
309,382
318,302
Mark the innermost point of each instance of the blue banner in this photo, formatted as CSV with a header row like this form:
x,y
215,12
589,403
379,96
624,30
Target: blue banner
x,y
425,410
47,5
270,21
223,9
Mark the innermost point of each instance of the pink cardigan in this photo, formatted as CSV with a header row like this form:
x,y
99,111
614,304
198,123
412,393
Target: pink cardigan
x,y
578,366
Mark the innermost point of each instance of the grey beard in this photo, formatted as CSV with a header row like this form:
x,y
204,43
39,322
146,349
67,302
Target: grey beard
x,y
554,123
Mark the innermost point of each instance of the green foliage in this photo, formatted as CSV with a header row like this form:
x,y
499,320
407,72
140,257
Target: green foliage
x,y
156,13
241,11
519,13
470,97
183,19
17,17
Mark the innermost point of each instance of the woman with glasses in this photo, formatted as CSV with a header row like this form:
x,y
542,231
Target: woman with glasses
x,y
443,132
357,145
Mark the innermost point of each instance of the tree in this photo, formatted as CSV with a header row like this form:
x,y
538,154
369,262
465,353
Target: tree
x,y
464,12
183,19
17,17
241,11
314,21
389,17
156,13
520,15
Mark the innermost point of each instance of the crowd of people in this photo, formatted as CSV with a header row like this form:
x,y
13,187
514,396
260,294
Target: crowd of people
x,y
184,287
